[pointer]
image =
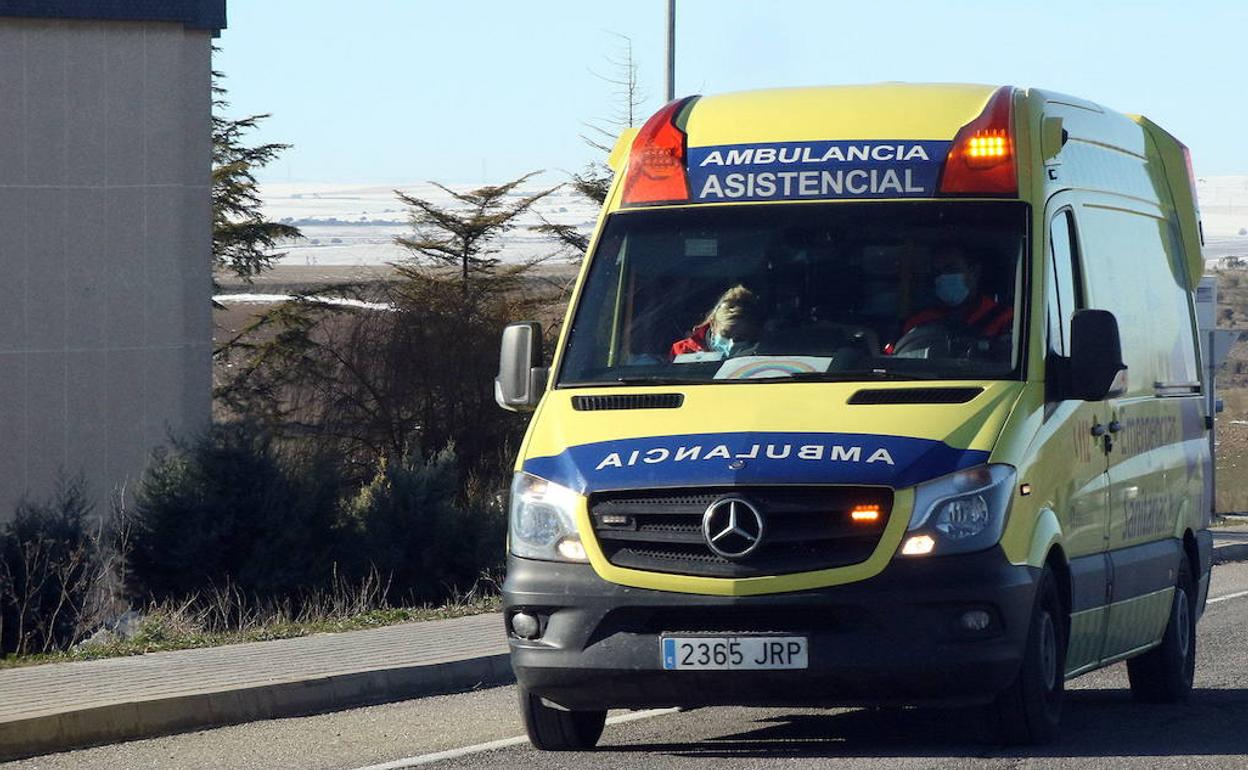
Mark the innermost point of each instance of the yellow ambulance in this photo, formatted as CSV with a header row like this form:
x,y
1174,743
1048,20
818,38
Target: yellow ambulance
x,y
872,395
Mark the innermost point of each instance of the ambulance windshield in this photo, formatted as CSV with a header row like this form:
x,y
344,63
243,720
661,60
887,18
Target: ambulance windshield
x,y
861,291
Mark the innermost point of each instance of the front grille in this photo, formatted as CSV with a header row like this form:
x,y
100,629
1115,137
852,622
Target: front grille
x,y
807,528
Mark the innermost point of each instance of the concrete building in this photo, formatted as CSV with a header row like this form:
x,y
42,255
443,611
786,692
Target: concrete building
x,y
105,237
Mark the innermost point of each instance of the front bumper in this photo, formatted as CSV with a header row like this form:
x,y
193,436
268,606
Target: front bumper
x,y
891,640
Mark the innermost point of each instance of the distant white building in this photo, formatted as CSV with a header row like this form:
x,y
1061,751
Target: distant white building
x,y
105,237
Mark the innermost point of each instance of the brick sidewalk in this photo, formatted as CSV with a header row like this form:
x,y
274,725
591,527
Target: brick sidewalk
x,y
59,705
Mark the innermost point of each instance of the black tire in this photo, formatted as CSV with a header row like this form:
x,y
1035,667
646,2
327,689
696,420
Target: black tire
x,y
551,729
1029,710
1165,673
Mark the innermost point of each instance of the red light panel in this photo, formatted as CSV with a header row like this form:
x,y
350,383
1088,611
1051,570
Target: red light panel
x,y
656,163
982,160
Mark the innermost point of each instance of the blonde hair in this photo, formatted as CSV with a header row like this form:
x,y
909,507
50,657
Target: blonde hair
x,y
737,294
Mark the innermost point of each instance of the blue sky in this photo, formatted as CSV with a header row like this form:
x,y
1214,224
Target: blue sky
x,y
484,90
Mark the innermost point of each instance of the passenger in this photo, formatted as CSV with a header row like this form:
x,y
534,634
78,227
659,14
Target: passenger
x,y
731,327
957,290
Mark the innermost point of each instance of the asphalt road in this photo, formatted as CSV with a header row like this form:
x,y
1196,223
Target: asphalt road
x,y
1101,728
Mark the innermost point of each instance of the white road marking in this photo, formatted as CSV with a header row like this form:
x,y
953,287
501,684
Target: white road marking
x,y
1228,596
425,759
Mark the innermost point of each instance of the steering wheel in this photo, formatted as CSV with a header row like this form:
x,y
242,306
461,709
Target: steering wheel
x,y
940,339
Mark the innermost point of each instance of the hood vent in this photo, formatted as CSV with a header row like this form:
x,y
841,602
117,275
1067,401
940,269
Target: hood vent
x,y
628,401
915,396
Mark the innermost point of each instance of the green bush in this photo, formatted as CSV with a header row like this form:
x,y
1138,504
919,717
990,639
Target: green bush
x,y
227,508
231,528
408,526
49,563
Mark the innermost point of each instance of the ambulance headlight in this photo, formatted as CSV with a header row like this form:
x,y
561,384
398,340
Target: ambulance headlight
x,y
961,512
542,521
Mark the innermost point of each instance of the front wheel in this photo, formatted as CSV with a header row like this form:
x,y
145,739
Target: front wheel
x,y
1165,673
552,729
1028,711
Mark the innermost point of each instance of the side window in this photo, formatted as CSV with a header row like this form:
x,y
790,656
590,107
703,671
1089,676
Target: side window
x,y
1057,343
1131,273
1063,290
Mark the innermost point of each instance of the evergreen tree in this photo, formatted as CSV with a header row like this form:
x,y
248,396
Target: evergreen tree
x,y
410,374
242,239
592,184
466,237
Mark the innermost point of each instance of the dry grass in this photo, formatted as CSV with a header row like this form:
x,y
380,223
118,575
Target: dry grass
x,y
226,616
1232,493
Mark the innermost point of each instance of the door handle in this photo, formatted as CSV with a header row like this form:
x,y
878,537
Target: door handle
x,y
1115,426
1098,430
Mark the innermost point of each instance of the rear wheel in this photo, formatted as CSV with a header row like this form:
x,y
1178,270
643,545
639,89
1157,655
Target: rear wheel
x,y
552,729
1029,710
1165,673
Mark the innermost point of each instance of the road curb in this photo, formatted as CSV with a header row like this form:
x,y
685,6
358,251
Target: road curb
x,y
68,730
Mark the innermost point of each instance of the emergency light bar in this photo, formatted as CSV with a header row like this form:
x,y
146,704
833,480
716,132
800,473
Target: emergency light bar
x,y
981,160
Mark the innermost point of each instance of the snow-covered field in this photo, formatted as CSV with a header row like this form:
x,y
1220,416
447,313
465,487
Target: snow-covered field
x,y
346,224
1224,213
1223,205
349,224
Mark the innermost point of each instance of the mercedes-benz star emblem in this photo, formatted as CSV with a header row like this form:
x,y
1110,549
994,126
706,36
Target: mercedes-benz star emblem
x,y
733,527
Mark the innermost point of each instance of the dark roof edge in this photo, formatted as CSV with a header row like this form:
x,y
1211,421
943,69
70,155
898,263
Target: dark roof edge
x,y
195,14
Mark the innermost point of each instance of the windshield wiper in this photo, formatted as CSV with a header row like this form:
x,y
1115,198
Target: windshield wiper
x,y
637,380
847,375
843,375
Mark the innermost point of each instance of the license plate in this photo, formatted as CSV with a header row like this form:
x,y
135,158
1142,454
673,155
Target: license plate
x,y
733,653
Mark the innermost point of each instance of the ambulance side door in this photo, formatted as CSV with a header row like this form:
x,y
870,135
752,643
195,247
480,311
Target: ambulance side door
x,y
1152,479
1075,452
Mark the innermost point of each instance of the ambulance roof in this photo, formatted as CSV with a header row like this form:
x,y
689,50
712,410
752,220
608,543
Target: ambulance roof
x,y
879,111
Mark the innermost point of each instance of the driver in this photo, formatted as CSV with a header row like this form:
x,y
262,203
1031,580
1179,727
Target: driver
x,y
731,327
959,298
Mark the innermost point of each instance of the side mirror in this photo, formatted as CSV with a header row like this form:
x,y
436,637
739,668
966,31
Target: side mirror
x,y
1096,368
521,377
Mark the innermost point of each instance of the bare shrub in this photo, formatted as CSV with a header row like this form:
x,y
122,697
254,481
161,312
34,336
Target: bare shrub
x,y
49,565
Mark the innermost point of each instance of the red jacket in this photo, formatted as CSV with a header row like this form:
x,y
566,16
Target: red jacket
x,y
694,343
988,317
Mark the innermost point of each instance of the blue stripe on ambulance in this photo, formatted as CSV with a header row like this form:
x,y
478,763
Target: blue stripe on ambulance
x,y
819,170
711,459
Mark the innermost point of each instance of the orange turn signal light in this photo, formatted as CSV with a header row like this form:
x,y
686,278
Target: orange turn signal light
x,y
991,144
865,514
981,160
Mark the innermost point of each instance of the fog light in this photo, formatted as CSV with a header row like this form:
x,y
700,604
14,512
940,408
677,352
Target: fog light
x,y
975,620
526,626
572,550
918,545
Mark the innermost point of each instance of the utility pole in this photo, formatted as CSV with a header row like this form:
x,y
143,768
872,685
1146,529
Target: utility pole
x,y
671,50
